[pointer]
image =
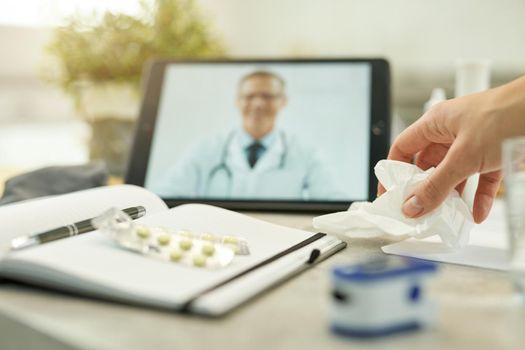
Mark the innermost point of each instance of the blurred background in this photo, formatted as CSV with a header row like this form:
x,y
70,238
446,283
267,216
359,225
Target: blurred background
x,y
70,69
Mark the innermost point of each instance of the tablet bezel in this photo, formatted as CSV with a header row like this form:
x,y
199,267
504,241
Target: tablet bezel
x,y
379,132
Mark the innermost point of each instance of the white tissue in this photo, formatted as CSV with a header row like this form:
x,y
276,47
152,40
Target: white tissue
x,y
452,221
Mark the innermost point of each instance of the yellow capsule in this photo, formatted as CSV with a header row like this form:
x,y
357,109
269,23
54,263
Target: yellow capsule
x,y
185,233
185,244
208,249
230,240
235,247
175,255
207,237
199,261
142,232
164,239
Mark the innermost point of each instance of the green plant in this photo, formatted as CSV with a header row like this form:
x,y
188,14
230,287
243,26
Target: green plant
x,y
114,47
95,54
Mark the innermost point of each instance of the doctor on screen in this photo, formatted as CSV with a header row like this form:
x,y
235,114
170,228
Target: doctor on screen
x,y
257,160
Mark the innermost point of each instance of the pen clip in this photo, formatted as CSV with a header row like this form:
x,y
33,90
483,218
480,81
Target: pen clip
x,y
313,256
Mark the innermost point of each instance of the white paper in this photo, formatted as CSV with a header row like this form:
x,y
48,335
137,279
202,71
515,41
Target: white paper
x,y
451,222
487,247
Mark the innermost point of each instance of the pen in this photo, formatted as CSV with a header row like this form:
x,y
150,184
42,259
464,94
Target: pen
x,y
67,231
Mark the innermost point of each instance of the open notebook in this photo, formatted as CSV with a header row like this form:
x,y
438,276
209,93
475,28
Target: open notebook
x,y
92,264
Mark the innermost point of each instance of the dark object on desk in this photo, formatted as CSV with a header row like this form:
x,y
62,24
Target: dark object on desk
x,y
54,180
68,231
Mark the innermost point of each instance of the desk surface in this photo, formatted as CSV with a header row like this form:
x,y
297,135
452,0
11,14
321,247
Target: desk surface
x,y
477,310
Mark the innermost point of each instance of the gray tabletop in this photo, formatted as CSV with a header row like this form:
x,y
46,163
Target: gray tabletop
x,y
476,310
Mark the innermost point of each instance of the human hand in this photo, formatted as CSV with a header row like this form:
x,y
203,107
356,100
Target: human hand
x,y
461,137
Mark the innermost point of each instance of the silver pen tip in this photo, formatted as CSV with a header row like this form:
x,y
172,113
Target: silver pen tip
x,y
23,242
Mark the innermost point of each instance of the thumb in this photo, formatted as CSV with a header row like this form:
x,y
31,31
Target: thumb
x,y
435,188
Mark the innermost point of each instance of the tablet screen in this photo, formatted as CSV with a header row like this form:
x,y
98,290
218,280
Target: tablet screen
x,y
262,131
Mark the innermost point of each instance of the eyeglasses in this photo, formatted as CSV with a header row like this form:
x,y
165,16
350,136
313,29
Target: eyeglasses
x,y
262,96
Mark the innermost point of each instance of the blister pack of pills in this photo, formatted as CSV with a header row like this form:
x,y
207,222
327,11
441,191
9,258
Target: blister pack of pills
x,y
238,244
196,249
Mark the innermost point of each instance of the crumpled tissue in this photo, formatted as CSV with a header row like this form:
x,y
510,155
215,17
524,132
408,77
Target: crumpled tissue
x,y
452,221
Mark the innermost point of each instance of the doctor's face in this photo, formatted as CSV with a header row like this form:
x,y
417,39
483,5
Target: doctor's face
x,y
260,100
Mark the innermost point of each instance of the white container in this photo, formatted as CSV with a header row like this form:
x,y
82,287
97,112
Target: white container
x,y
471,76
436,96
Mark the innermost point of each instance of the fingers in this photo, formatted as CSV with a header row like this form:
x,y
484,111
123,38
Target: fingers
x,y
461,187
427,130
408,143
488,185
431,156
404,147
435,188
434,142
380,189
411,141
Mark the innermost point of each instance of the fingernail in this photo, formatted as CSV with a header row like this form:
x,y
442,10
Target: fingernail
x,y
412,207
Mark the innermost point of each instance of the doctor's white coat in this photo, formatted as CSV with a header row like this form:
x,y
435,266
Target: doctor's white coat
x,y
217,168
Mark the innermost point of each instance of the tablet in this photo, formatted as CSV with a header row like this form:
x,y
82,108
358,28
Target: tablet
x,y
285,135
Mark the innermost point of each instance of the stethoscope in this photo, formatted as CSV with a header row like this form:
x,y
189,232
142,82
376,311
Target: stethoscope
x,y
223,167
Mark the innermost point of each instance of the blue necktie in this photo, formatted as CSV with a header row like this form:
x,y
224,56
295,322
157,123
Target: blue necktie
x,y
253,153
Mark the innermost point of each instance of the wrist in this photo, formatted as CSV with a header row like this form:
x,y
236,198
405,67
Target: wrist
x,y
510,102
